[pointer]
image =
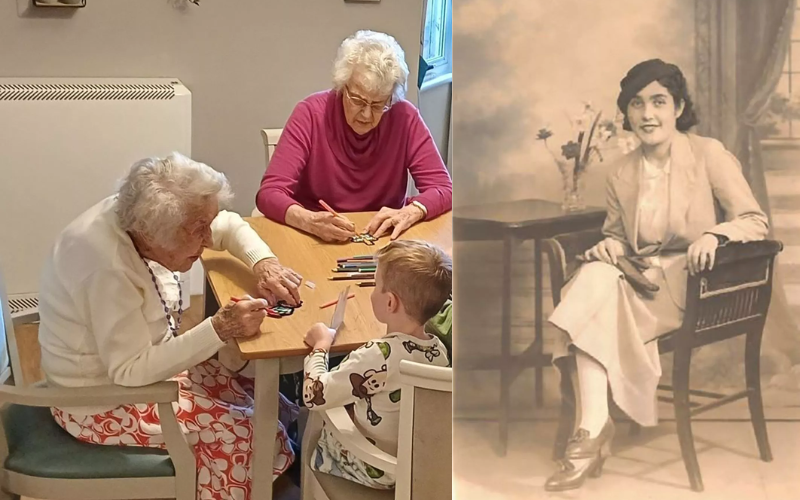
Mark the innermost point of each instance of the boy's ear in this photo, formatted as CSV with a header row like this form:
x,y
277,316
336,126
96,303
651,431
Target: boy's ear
x,y
394,302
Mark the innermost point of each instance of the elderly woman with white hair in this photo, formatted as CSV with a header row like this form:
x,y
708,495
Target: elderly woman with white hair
x,y
108,293
353,146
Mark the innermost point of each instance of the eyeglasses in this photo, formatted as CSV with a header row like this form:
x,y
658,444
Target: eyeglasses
x,y
377,107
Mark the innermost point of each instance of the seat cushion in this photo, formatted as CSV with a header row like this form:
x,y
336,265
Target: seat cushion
x,y
337,488
38,446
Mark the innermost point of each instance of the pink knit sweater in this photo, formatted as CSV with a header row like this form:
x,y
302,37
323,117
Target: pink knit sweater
x,y
320,157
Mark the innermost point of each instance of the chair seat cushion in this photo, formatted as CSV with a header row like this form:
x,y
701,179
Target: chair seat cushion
x,y
38,446
337,488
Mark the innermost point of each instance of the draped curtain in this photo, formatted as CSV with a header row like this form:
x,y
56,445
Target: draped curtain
x,y
764,31
741,48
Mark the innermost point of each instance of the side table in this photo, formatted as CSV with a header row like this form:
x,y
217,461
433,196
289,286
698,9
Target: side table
x,y
512,222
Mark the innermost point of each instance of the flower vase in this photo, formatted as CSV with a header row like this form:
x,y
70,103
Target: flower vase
x,y
573,191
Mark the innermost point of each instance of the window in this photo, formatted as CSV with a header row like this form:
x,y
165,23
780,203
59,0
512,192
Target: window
x,y
782,120
437,38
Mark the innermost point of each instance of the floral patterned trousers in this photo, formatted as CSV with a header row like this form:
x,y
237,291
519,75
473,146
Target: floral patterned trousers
x,y
214,410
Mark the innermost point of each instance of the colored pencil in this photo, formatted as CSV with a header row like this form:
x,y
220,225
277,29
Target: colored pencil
x,y
270,313
333,302
365,283
353,276
329,209
358,258
334,212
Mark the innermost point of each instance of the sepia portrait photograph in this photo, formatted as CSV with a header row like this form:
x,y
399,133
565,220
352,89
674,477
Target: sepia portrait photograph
x,y
627,243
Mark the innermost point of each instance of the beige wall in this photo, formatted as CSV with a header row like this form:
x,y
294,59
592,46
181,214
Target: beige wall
x,y
525,64
247,62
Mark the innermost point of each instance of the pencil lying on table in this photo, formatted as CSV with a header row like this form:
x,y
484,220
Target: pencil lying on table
x,y
365,283
355,270
357,258
333,302
360,263
353,276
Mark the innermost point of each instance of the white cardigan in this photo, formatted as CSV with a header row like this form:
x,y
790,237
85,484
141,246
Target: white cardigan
x,y
101,319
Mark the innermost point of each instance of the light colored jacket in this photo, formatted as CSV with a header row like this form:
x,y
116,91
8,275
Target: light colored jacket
x,y
707,194
102,321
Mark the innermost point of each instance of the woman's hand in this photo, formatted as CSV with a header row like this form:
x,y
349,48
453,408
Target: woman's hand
x,y
276,282
324,225
701,254
401,220
606,251
320,336
240,319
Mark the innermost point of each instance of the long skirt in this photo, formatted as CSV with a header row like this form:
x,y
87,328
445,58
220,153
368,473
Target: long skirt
x,y
607,319
214,410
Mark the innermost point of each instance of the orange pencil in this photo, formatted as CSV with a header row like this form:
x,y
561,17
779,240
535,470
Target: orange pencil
x,y
333,302
329,209
334,212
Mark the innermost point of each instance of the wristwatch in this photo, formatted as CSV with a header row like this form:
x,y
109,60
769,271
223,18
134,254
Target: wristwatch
x,y
421,207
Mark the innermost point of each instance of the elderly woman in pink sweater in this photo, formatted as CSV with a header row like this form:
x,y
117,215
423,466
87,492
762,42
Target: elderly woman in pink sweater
x,y
353,146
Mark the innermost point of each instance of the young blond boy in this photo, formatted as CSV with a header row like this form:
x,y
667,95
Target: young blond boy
x,y
412,282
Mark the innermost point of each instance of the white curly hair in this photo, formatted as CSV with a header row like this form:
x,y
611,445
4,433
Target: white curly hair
x,y
378,58
159,194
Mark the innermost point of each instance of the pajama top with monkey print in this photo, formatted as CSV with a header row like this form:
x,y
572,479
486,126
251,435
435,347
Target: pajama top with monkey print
x,y
369,377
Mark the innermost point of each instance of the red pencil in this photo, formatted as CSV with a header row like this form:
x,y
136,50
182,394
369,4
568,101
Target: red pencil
x,y
333,302
270,313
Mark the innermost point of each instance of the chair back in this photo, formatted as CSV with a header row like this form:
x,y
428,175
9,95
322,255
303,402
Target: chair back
x,y
424,454
562,252
271,137
722,303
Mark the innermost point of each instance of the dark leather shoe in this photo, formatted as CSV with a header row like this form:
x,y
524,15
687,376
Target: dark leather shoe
x,y
582,446
571,477
590,453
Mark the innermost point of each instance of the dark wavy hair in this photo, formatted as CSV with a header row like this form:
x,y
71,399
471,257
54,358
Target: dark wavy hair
x,y
675,83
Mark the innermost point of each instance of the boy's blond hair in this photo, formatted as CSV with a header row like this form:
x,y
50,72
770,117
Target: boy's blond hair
x,y
420,274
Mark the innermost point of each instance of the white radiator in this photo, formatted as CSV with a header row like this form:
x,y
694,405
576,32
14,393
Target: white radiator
x,y
64,145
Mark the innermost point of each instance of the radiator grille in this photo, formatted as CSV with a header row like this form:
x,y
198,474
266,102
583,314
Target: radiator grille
x,y
23,303
87,92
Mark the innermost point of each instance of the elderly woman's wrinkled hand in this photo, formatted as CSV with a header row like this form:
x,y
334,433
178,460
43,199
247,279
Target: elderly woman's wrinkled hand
x,y
606,251
330,228
276,282
401,220
240,319
701,254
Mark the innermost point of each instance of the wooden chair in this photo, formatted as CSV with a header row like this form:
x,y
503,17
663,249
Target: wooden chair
x,y
423,463
271,137
41,460
730,301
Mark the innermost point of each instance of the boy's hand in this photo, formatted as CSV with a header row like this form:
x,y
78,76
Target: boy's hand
x,y
320,336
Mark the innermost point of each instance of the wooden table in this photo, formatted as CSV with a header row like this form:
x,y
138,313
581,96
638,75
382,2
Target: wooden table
x,y
513,222
280,347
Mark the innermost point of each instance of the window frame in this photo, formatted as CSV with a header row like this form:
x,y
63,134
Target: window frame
x,y
788,71
441,69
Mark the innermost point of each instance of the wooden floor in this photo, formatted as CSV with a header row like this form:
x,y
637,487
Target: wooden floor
x,y
29,353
